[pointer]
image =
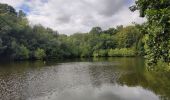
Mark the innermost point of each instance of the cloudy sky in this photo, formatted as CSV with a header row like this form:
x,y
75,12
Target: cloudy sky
x,y
70,16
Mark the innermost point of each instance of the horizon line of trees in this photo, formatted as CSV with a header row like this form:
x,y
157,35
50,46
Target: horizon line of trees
x,y
18,40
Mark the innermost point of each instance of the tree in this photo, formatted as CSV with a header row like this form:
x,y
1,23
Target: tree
x,y
119,27
157,39
127,37
20,41
2,48
110,31
96,30
19,51
6,9
39,54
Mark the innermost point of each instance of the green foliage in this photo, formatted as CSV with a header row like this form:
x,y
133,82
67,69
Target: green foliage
x,y
160,66
121,52
2,48
110,31
39,54
127,37
15,30
100,53
157,42
6,9
96,30
19,41
20,52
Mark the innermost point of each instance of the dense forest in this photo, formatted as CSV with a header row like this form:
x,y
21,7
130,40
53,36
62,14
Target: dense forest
x,y
20,41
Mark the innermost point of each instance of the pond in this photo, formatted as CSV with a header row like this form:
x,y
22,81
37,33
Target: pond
x,y
82,79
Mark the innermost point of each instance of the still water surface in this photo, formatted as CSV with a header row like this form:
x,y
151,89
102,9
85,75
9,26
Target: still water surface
x,y
97,79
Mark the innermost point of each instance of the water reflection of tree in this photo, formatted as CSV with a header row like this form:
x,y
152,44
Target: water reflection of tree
x,y
104,73
157,82
109,72
131,72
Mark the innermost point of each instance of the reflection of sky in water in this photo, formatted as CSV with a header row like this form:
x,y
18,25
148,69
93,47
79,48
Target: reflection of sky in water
x,y
106,92
77,81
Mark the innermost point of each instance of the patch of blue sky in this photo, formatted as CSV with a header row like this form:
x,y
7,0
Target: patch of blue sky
x,y
25,8
129,2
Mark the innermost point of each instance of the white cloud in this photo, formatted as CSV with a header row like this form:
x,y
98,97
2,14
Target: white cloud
x,y
70,16
14,3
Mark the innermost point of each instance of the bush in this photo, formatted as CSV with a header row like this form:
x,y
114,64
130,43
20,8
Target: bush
x,y
39,54
121,52
24,52
100,53
20,52
159,66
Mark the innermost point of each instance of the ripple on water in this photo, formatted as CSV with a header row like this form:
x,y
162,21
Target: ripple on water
x,y
72,81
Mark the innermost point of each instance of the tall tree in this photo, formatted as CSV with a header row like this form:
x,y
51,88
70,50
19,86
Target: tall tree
x,y
157,38
96,30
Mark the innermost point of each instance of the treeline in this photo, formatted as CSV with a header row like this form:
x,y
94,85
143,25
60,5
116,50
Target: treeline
x,y
19,40
120,41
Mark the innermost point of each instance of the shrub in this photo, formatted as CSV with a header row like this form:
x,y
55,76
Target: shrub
x,y
23,52
127,52
100,53
39,54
